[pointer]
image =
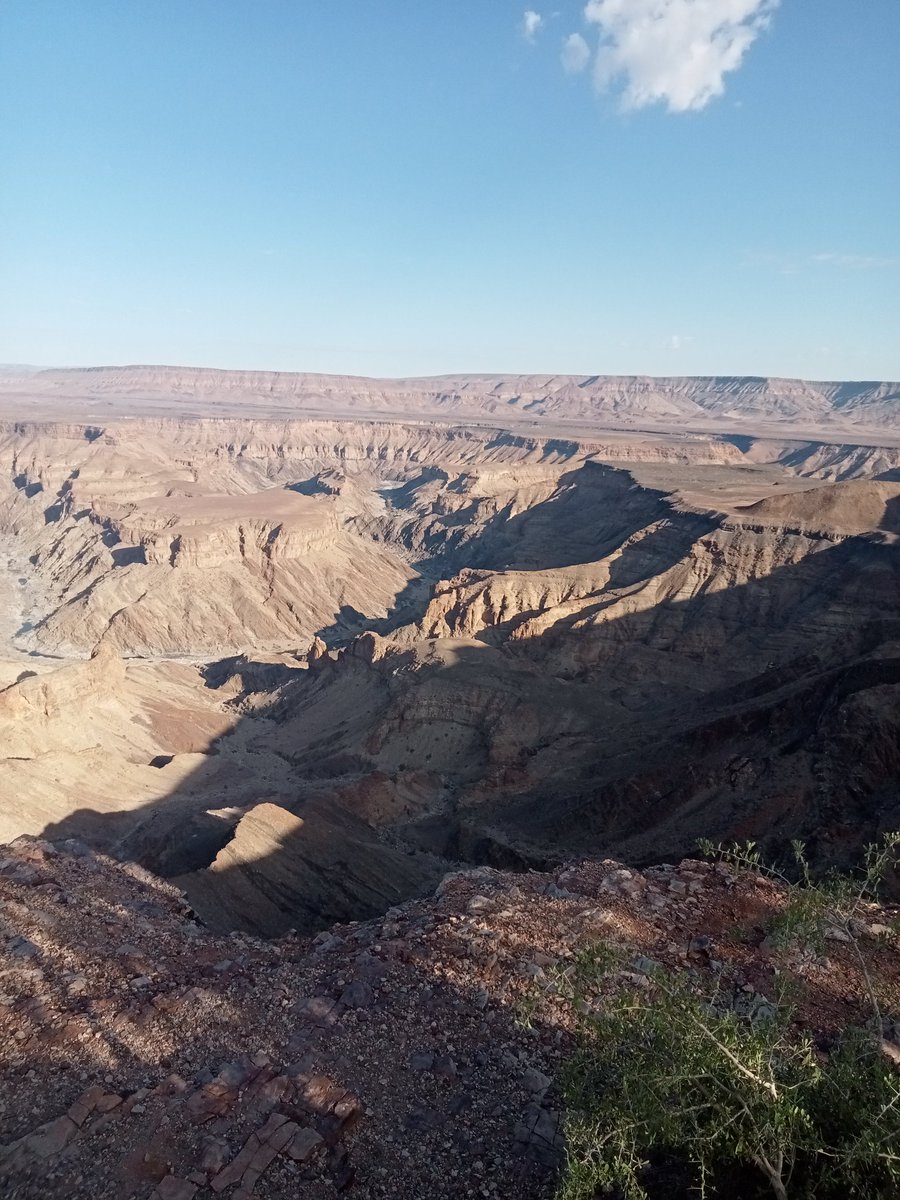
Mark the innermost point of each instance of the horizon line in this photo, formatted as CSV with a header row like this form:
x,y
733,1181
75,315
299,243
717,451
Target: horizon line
x,y
546,375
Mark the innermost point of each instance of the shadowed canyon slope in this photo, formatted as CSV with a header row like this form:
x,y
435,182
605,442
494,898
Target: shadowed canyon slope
x,y
526,642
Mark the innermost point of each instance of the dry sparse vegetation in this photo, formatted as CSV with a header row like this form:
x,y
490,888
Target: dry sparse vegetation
x,y
681,1074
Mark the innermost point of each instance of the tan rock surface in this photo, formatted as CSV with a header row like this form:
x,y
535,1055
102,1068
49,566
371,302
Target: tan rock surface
x,y
571,644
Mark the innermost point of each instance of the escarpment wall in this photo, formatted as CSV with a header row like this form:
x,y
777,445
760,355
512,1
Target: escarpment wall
x,y
211,536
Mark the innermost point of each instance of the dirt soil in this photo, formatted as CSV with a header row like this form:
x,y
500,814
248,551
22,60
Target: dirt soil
x,y
413,1055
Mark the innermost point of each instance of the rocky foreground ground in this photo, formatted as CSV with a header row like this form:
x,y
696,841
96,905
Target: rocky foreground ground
x,y
414,1055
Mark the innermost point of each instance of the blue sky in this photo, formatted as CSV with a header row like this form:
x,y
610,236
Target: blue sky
x,y
402,187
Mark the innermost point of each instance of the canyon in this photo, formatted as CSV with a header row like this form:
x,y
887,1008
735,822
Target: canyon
x,y
341,718
303,644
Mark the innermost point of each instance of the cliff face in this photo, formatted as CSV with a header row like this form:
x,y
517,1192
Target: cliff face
x,y
593,399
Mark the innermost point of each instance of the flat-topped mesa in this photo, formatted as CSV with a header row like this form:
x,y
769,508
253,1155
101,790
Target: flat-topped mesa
x,y
840,510
208,531
677,400
322,443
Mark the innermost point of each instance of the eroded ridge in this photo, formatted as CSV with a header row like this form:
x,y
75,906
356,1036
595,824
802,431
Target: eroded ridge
x,y
319,663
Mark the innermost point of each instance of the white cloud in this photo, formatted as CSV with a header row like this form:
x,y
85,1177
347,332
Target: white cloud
x,y
676,341
794,264
531,23
855,262
575,54
675,52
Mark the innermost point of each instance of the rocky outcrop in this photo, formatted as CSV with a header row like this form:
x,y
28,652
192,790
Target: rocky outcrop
x,y
57,693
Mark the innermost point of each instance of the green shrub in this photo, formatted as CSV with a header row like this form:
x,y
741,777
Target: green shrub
x,y
684,1072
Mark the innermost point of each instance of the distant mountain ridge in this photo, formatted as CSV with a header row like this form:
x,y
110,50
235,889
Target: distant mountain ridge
x,y
679,401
